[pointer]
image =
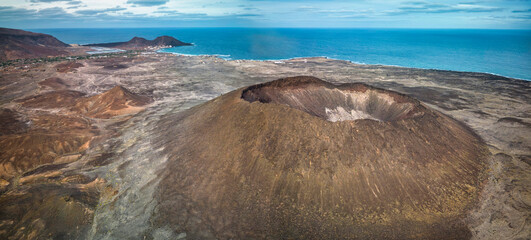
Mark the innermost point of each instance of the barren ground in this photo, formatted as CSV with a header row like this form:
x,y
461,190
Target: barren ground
x,y
105,189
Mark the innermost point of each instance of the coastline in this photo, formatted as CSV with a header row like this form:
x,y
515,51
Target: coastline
x,y
441,49
94,52
338,59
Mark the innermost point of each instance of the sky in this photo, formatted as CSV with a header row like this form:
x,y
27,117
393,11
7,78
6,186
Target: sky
x,y
486,14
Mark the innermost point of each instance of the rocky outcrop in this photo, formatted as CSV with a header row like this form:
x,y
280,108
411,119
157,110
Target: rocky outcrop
x,y
39,196
300,158
49,139
137,43
117,101
56,207
16,44
44,138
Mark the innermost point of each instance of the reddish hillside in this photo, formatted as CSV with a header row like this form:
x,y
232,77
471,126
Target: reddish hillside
x,y
114,102
16,44
29,141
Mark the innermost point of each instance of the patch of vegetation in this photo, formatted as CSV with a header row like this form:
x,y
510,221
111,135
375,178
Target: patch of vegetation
x,y
27,61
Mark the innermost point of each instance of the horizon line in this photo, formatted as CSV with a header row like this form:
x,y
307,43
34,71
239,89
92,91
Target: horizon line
x,y
382,28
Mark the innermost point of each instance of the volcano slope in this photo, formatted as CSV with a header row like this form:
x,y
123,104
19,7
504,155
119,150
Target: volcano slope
x,y
302,158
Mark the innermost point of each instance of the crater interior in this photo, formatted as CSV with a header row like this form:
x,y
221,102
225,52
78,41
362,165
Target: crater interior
x,y
346,102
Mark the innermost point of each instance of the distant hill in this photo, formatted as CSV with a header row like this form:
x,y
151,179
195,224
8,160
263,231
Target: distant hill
x,y
141,43
15,44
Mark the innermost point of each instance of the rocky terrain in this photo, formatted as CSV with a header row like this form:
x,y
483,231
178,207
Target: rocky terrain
x,y
19,44
138,43
56,127
84,159
15,44
272,161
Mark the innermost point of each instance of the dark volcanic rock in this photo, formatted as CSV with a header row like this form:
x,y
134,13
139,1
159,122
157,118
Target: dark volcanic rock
x,y
168,41
15,44
141,43
12,122
115,67
300,158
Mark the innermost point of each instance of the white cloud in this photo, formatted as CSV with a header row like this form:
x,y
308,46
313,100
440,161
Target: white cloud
x,y
315,13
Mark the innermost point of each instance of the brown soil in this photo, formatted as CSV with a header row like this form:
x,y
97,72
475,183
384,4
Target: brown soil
x,y
67,66
274,168
117,101
12,122
39,197
50,138
55,138
58,200
55,99
54,83
64,210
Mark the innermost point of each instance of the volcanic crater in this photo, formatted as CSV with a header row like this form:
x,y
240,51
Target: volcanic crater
x,y
335,103
303,158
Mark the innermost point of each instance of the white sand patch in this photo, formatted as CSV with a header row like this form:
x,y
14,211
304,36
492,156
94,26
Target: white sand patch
x,y
340,114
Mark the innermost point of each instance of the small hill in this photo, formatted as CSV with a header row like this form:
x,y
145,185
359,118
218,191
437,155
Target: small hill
x,y
67,67
47,139
117,101
27,142
55,99
141,43
16,44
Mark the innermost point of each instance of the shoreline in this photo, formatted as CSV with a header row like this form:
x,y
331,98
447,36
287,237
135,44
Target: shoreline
x,y
95,54
337,59
376,47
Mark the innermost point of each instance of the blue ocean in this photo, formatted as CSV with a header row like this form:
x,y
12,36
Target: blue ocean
x,y
501,52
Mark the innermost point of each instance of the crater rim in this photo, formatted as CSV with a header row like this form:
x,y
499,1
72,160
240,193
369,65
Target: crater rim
x,y
334,103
